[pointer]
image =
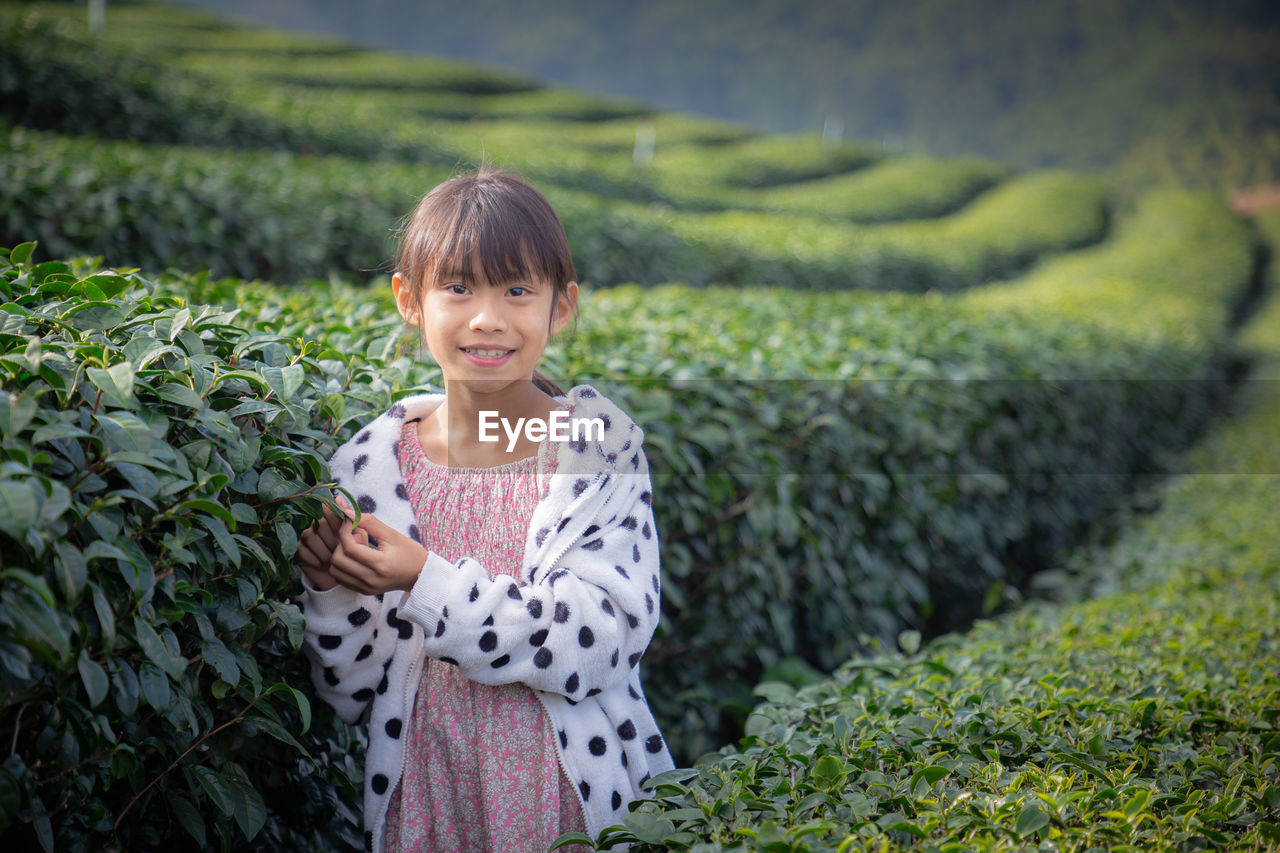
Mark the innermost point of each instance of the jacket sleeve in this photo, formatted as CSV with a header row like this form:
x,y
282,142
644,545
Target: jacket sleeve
x,y
350,639
578,629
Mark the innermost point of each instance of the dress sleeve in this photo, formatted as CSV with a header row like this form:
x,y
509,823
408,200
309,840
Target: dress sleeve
x,y
578,629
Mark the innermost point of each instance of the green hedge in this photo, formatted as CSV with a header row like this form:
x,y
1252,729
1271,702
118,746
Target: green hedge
x,y
996,235
934,450
156,462
151,399
1147,718
894,188
271,215
286,218
905,466
52,79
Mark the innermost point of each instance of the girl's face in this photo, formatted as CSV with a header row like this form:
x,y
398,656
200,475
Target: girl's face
x,y
486,336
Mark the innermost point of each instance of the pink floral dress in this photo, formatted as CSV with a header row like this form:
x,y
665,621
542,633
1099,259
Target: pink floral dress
x,y
481,767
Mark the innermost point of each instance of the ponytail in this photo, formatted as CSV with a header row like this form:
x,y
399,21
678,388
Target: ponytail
x,y
544,383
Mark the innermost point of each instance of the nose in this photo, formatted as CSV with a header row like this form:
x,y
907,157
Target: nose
x,y
490,314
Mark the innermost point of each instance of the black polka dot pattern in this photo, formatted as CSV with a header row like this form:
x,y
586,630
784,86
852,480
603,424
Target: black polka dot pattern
x,y
568,600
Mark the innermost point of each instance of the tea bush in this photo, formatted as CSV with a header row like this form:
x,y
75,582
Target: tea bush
x,y
50,79
893,188
909,467
288,217
158,460
1145,718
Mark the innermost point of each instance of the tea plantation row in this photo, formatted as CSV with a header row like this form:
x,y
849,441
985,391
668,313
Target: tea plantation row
x,y
285,217
1145,716
973,436
160,456
170,200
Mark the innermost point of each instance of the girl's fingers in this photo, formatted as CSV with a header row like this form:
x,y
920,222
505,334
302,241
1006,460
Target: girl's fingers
x,y
327,530
312,556
351,581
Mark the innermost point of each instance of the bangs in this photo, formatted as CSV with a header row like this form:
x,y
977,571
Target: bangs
x,y
498,232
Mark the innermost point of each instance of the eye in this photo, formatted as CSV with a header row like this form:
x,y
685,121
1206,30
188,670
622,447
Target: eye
x,y
518,290
459,289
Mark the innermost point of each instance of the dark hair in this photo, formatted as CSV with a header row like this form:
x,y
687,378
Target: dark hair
x,y
492,220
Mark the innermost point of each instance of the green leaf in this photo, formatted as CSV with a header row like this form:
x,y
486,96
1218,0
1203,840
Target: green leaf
x,y
106,616
291,617
247,805
212,507
70,570
216,787
1030,820
115,383
21,253
20,503
828,772
285,381
924,779
156,650
220,658
37,584
1136,803
125,430
572,838
649,828
188,818
94,677
155,687
909,642
16,411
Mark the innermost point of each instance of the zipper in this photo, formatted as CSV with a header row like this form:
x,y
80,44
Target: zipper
x,y
406,716
569,540
564,768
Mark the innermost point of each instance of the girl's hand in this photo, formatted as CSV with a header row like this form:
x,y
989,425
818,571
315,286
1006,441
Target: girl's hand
x,y
359,566
315,550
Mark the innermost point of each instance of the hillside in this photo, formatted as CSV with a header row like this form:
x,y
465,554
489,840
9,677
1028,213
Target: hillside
x,y
1177,89
883,397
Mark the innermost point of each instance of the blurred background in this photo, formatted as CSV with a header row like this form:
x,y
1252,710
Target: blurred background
x,y
1143,89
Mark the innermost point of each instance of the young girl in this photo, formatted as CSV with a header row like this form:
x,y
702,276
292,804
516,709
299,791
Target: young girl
x,y
488,614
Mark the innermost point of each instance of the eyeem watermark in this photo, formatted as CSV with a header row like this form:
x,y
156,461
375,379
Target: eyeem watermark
x,y
561,427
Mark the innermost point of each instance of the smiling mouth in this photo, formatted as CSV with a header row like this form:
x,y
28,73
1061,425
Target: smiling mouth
x,y
482,352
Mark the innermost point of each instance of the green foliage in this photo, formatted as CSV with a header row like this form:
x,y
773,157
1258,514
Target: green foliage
x,y
52,79
271,215
894,188
158,460
1173,90
998,234
1145,718
288,217
908,466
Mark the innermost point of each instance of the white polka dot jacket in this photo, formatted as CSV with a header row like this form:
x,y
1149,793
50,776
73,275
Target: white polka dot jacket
x,y
573,628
